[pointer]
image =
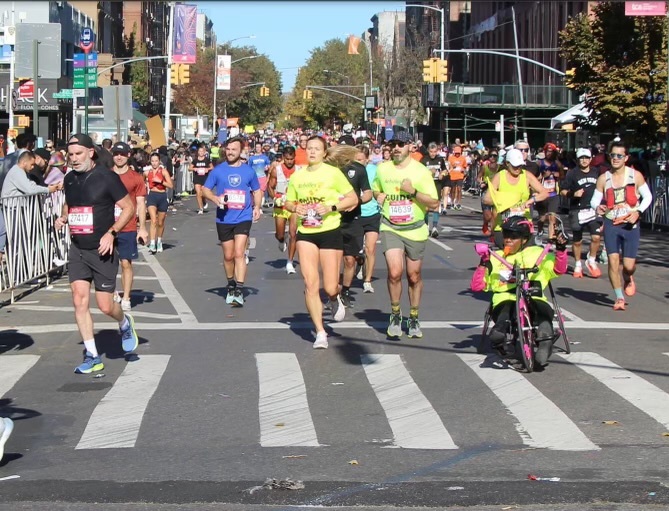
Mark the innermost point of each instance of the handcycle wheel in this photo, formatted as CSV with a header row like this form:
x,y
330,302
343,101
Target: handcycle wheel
x,y
483,342
560,320
525,333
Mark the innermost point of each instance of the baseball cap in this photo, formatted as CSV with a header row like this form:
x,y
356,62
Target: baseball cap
x,y
82,140
121,147
515,158
550,146
582,151
42,153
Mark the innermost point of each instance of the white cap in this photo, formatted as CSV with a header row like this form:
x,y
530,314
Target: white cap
x,y
515,158
582,151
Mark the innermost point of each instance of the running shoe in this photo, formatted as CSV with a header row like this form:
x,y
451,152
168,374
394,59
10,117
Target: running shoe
x,y
630,287
152,247
200,212
126,305
346,299
321,342
90,364
593,270
435,232
619,305
6,428
117,297
246,256
413,326
159,246
458,207
485,229
395,325
238,298
290,268
578,272
367,287
129,339
544,351
230,295
206,206
603,256
283,246
338,309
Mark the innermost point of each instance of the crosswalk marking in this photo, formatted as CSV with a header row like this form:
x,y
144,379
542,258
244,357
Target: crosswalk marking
x,y
116,420
12,368
413,420
285,420
644,395
540,422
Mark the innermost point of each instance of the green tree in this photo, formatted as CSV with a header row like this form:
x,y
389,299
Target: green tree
x,y
620,68
137,73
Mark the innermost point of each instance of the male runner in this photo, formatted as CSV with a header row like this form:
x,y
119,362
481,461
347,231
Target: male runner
x,y
437,166
259,162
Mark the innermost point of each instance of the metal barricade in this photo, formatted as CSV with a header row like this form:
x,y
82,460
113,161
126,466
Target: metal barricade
x,y
34,249
659,186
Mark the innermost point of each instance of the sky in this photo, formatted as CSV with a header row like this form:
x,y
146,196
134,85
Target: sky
x,y
287,31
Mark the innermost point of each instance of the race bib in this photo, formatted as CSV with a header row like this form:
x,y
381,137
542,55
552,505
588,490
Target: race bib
x,y
549,184
586,216
517,210
117,212
313,219
236,199
620,211
80,220
200,171
401,211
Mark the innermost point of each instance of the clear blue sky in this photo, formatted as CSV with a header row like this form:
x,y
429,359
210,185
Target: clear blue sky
x,y
287,31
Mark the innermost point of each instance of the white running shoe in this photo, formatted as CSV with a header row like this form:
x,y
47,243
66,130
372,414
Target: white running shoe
x,y
246,256
321,342
159,246
283,245
200,212
125,305
7,426
367,287
338,309
290,268
206,206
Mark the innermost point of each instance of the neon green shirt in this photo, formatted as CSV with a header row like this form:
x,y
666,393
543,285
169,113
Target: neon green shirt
x,y
399,208
324,184
522,191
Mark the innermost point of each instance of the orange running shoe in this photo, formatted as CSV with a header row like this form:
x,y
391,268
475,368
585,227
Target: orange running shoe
x,y
593,270
619,305
578,272
485,229
630,287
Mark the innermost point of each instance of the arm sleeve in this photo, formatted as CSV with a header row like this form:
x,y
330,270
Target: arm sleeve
x,y
478,282
646,198
596,200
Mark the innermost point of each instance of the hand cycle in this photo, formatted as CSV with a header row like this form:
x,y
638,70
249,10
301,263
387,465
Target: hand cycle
x,y
524,333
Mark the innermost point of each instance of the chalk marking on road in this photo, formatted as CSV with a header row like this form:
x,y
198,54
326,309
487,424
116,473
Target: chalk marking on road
x,y
440,244
641,393
49,308
12,368
116,420
541,423
175,298
413,420
285,419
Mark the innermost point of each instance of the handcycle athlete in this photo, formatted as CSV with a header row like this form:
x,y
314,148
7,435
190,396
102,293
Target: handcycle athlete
x,y
494,274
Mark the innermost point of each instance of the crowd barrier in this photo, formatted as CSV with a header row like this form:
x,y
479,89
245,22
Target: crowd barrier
x,y
662,218
34,248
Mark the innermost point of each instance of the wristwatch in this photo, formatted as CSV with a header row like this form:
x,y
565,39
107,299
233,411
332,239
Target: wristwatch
x,y
112,232
334,207
413,195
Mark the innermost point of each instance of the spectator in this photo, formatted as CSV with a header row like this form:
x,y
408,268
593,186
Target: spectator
x,y
23,143
56,170
38,172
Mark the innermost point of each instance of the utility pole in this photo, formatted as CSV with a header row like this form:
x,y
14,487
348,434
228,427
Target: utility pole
x,y
168,87
35,88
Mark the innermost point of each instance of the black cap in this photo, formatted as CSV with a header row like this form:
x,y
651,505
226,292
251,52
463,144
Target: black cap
x,y
43,153
121,147
82,140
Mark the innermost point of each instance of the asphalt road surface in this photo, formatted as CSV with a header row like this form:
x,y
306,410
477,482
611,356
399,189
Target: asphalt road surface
x,y
232,408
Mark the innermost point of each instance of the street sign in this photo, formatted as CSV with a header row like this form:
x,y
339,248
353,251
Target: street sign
x,y
78,93
27,89
86,40
91,78
63,94
85,65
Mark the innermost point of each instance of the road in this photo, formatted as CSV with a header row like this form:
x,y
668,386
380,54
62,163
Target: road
x,y
219,400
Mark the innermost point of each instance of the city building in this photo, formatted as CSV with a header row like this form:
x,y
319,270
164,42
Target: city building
x,y
387,32
205,30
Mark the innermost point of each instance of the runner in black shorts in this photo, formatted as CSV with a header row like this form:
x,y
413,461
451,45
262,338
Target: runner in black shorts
x,y
201,166
439,170
91,192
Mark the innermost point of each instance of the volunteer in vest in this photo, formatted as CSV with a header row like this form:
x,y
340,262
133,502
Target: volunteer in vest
x,y
625,197
457,167
215,153
551,172
200,166
405,190
277,186
317,193
159,180
91,193
579,185
129,235
239,200
509,193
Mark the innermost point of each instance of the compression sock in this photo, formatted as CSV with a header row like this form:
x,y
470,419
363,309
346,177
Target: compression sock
x,y
435,219
91,348
240,285
413,313
124,324
619,293
395,308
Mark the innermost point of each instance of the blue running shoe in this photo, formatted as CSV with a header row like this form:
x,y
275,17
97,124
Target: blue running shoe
x,y
90,364
129,339
230,297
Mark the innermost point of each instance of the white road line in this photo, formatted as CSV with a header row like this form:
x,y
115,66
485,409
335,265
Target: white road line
x,y
570,315
641,393
48,308
12,368
540,423
285,420
413,420
140,277
440,244
175,298
134,293
116,420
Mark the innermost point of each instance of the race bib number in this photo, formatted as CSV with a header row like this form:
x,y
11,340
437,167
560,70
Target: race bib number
x,y
313,219
201,171
401,211
236,199
80,220
517,210
549,184
586,216
620,211
117,213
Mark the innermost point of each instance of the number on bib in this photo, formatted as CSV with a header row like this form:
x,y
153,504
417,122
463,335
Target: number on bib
x,y
401,211
80,220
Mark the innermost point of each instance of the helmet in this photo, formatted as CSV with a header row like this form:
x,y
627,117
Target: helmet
x,y
518,224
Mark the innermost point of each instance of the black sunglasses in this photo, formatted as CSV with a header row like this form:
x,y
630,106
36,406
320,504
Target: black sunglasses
x,y
396,143
513,235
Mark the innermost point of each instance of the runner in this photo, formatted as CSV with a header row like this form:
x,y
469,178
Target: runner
x,y
260,163
579,185
551,172
620,188
457,167
277,186
91,193
405,190
159,180
201,166
439,170
314,194
488,170
239,198
129,236
370,214
301,158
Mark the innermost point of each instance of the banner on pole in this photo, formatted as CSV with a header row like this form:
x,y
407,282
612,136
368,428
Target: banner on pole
x,y
185,26
645,8
353,43
223,72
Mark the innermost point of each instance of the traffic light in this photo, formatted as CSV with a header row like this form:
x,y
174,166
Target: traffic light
x,y
442,71
307,94
569,77
174,74
184,74
264,91
429,70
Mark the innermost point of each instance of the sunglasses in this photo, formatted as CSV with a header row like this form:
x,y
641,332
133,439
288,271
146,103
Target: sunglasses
x,y
494,155
512,235
524,149
396,143
616,156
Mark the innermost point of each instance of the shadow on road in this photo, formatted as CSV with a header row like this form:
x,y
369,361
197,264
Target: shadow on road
x,y
12,340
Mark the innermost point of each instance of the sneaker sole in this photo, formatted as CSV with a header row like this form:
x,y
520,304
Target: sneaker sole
x,y
131,320
415,336
94,369
390,334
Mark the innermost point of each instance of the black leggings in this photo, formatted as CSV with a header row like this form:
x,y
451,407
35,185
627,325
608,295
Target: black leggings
x,y
540,312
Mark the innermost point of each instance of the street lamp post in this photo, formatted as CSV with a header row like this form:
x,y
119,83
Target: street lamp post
x,y
213,110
